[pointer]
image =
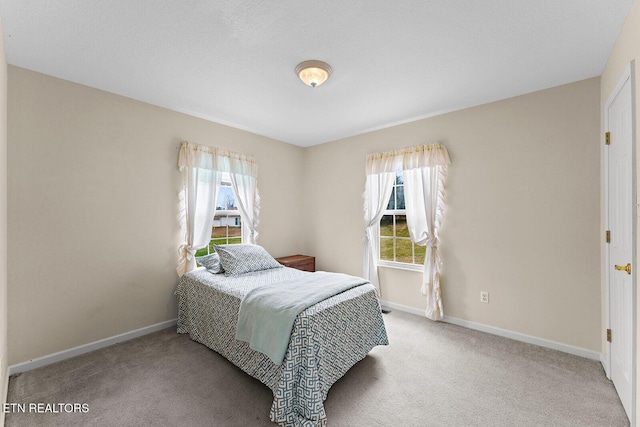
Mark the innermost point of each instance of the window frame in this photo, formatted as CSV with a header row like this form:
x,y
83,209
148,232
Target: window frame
x,y
226,182
395,213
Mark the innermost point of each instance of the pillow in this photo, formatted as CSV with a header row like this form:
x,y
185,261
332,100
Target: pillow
x,y
244,258
211,262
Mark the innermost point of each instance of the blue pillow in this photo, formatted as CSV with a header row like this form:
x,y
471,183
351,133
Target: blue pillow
x,y
244,258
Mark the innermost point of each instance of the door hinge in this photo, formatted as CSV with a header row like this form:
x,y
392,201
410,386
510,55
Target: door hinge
x,y
608,236
608,335
607,138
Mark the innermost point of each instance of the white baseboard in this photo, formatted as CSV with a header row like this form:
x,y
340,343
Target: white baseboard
x,y
86,348
566,348
400,307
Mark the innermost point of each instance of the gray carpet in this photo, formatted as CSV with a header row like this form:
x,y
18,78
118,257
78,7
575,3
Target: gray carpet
x,y
432,374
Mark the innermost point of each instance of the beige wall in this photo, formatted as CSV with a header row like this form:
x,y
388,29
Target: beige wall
x,y
522,219
4,380
92,196
626,49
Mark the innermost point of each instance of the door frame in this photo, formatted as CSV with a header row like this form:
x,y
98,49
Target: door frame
x,y
627,75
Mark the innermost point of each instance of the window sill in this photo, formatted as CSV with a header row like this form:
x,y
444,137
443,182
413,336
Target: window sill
x,y
401,266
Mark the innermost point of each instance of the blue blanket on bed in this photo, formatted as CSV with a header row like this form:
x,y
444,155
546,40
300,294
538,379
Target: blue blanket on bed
x,y
267,313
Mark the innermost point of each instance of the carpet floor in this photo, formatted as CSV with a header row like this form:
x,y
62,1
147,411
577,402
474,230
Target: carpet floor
x,y
431,374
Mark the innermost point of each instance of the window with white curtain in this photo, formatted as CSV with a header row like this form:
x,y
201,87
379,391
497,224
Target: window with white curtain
x,y
395,245
208,173
403,207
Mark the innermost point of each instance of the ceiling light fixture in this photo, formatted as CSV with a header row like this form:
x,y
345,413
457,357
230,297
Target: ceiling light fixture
x,y
313,73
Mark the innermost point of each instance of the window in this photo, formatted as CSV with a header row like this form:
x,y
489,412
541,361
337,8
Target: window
x,y
227,223
395,243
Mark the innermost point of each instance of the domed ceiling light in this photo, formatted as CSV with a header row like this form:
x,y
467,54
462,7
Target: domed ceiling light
x,y
313,73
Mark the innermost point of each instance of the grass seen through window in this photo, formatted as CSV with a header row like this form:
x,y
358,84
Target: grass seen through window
x,y
404,249
219,237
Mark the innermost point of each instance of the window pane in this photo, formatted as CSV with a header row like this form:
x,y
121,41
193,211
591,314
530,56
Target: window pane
x,y
421,252
386,225
395,241
401,226
235,226
392,200
226,199
400,197
386,248
218,230
403,250
227,223
227,229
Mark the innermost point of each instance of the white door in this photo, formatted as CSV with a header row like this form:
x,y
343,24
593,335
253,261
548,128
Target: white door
x,y
621,269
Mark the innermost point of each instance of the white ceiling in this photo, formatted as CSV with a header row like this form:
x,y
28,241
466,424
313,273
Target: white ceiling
x,y
233,61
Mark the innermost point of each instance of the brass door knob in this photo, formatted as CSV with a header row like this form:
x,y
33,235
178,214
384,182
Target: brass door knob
x,y
626,268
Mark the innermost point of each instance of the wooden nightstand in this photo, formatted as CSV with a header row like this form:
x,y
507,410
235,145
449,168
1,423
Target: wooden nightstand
x,y
300,262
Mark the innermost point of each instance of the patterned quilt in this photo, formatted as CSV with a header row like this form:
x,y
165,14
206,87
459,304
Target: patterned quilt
x,y
326,340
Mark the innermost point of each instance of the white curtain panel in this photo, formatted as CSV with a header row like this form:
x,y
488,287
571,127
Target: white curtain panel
x,y
424,170
202,168
244,181
376,196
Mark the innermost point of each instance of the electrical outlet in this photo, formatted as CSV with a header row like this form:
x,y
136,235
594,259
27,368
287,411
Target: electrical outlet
x,y
484,297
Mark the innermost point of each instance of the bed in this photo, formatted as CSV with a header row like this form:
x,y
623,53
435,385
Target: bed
x,y
326,339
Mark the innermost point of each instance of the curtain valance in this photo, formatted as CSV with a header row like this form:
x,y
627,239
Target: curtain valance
x,y
212,158
419,156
